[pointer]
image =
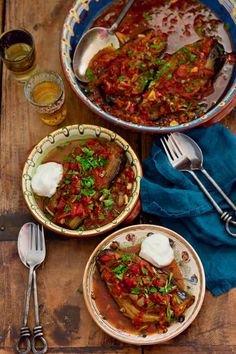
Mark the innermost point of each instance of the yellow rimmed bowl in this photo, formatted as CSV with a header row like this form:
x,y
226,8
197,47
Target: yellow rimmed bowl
x,y
67,134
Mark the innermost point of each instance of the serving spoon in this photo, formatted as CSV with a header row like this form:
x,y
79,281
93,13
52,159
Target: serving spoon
x,y
94,40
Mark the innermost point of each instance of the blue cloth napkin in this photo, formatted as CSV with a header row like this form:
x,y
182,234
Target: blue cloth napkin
x,y
181,206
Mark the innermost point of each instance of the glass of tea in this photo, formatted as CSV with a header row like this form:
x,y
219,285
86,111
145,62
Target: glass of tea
x,y
17,51
45,91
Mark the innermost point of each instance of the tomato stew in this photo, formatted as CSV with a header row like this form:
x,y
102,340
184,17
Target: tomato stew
x,y
175,63
96,185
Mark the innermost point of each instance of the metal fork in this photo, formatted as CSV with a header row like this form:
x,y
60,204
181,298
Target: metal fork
x,y
35,256
181,162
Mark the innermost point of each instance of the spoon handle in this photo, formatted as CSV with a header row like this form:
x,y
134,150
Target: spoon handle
x,y
121,16
25,331
225,217
217,187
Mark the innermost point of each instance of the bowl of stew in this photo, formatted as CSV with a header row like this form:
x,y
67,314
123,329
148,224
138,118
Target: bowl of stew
x,y
175,68
136,302
98,186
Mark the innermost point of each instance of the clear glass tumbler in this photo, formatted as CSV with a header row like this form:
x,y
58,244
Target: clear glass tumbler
x,y
45,91
17,51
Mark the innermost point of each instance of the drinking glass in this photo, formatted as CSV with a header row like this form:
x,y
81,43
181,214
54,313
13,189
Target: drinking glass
x,y
45,91
17,51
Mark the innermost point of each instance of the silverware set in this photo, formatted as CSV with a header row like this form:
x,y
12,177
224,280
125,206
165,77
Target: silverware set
x,y
32,252
185,155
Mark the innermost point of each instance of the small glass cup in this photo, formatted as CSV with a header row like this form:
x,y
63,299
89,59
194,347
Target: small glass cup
x,y
45,91
17,51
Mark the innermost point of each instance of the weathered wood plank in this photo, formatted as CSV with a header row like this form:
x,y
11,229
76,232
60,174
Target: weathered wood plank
x,y
67,323
20,126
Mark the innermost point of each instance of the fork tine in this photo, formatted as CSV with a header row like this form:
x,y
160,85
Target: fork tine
x,y
38,238
174,139
172,146
166,148
33,238
41,233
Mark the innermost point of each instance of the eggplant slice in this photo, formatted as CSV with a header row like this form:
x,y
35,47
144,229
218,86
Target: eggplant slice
x,y
142,293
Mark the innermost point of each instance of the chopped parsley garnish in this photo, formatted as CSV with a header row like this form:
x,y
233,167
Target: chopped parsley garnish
x,y
67,180
122,78
87,151
88,192
67,209
91,206
136,291
101,216
105,191
144,270
108,203
155,46
87,181
90,76
153,289
120,270
126,258
72,172
147,16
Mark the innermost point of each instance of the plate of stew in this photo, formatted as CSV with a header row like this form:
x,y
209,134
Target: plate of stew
x,y
136,302
99,184
175,68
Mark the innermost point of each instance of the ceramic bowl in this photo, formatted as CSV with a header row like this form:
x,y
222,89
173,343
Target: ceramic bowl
x,y
56,138
188,262
80,17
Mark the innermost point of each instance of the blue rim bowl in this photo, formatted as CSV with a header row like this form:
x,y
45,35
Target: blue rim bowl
x,y
80,17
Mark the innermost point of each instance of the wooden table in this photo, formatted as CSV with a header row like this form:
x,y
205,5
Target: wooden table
x,y
67,324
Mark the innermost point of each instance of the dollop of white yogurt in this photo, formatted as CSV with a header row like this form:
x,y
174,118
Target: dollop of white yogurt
x,y
156,249
46,179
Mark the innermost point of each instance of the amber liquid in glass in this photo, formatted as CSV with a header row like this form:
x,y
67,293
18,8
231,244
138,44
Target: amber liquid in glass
x,y
48,94
18,53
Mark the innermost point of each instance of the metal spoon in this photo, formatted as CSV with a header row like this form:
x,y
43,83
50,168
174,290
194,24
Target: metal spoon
x,y
23,245
94,40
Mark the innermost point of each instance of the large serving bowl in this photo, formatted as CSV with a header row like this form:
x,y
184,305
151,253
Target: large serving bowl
x,y
79,19
188,263
59,137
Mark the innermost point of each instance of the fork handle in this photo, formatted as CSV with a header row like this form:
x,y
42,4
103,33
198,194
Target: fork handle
x,y
38,338
224,215
217,187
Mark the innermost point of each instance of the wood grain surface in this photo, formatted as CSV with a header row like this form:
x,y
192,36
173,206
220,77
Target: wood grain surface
x,y
67,324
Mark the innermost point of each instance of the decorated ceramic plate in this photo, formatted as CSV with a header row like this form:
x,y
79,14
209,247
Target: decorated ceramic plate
x,y
108,315
52,148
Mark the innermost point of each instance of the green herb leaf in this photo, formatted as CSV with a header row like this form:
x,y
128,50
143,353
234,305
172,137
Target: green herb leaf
x,y
67,209
87,181
121,78
87,151
147,16
144,270
126,257
136,291
90,76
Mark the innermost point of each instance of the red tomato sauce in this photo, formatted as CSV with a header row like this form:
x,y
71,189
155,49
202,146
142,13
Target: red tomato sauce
x,y
96,186
173,66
